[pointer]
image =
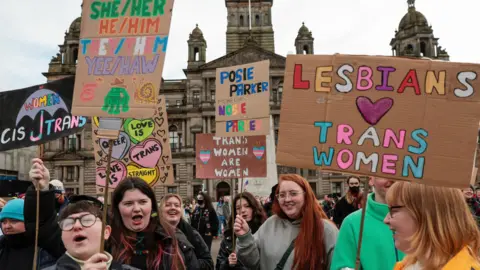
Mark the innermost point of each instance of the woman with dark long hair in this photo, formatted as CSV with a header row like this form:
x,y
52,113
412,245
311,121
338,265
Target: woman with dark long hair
x,y
298,236
140,238
204,219
252,212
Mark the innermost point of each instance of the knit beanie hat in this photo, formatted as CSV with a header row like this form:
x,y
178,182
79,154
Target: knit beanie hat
x,y
57,186
13,210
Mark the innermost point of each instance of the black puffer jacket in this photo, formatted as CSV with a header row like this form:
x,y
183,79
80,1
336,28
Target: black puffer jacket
x,y
16,251
203,256
225,251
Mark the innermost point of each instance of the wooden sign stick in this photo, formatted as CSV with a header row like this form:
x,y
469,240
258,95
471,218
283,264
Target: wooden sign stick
x,y
362,223
108,128
37,219
232,216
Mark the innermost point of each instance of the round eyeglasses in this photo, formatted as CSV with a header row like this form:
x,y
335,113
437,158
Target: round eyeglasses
x,y
86,221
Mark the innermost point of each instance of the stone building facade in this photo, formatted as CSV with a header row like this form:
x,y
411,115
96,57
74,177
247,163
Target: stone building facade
x,y
190,101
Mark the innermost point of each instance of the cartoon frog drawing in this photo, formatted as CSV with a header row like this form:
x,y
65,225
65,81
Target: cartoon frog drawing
x,y
117,98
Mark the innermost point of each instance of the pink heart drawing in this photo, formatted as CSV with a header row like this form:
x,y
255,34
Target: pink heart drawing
x,y
372,112
205,156
147,154
118,171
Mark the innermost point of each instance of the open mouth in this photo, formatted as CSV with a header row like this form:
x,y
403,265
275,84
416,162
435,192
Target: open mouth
x,y
172,212
137,219
79,238
244,217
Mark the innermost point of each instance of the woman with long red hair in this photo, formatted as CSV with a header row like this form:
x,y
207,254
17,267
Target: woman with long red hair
x,y
298,236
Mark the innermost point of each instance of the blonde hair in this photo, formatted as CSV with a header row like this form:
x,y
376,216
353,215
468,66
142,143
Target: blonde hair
x,y
165,199
444,222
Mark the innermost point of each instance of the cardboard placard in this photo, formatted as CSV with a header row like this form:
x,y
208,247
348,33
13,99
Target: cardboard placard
x,y
397,118
121,57
230,157
142,150
37,114
242,100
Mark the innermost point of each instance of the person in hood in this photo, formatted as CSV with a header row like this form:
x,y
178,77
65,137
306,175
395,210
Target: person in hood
x,y
378,250
268,205
171,210
61,200
348,203
81,225
204,219
18,219
252,212
433,226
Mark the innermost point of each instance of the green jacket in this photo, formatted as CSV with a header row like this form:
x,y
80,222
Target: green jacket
x,y
378,248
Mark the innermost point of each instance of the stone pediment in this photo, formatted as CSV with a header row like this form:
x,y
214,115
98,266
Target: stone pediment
x,y
245,55
68,156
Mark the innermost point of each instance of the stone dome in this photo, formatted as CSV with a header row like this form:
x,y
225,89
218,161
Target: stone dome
x,y
75,26
197,32
412,18
303,30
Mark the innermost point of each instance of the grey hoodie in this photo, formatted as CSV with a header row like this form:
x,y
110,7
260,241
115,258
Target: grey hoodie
x,y
265,248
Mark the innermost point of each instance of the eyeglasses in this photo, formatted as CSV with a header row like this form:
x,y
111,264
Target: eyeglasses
x,y
293,194
86,221
391,208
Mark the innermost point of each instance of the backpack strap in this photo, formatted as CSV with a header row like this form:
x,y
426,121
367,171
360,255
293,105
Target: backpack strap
x,y
285,256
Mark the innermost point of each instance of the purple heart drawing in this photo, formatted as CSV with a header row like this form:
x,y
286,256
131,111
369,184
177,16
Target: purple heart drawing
x,y
120,146
372,112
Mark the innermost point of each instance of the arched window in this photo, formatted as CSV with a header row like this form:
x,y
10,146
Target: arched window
x,y
196,54
75,56
257,20
423,49
242,22
174,138
306,49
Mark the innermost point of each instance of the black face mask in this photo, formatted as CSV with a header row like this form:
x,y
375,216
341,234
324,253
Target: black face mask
x,y
354,190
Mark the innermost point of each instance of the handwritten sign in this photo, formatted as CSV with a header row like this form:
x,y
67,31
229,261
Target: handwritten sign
x,y
230,157
243,100
141,150
121,56
397,118
37,114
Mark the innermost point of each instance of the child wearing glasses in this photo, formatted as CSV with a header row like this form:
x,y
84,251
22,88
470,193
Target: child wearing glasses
x,y
81,225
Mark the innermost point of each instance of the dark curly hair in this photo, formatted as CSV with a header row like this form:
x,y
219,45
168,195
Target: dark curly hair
x,y
258,214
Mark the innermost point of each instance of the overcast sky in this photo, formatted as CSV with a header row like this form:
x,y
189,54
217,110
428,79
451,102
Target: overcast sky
x,y
32,30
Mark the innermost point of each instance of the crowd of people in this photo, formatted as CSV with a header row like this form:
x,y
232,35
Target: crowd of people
x,y
407,226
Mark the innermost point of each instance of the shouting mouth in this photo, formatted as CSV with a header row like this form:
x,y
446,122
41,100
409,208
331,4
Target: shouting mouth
x,y
137,219
79,239
173,213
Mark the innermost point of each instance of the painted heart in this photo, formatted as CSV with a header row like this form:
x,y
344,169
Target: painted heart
x,y
165,140
126,160
205,156
163,179
100,153
159,121
165,159
372,112
149,175
139,130
120,146
259,151
95,132
118,171
147,154
161,133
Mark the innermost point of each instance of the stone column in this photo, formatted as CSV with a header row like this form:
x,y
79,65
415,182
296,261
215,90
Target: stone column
x,y
81,180
184,130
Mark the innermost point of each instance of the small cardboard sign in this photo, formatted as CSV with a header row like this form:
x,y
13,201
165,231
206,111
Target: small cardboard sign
x,y
397,118
230,157
141,150
242,96
120,59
